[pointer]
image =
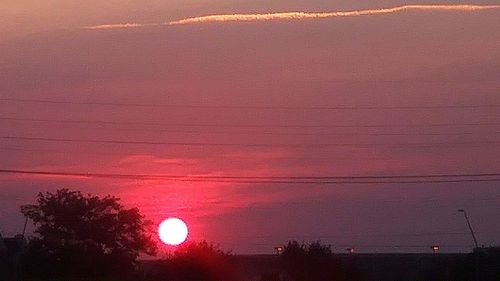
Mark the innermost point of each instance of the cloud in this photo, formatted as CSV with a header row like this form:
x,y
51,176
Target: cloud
x,y
299,15
145,160
305,15
119,25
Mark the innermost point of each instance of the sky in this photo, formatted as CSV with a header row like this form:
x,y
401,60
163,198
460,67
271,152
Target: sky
x,y
259,89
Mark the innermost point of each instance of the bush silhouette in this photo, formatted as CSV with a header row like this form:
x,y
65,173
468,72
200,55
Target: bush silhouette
x,y
313,262
198,261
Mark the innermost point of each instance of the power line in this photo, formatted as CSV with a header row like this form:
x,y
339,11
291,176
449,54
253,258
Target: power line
x,y
273,133
242,144
343,107
164,154
475,175
103,122
269,180
364,234
359,246
117,153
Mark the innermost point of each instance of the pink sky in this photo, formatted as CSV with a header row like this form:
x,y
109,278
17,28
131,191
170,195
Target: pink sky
x,y
409,58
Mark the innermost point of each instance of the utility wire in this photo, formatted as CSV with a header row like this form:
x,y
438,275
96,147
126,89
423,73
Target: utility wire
x,y
156,152
103,122
217,158
329,236
286,177
270,180
272,133
44,101
242,144
361,246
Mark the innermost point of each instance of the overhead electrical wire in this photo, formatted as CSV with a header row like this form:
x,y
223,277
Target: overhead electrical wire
x,y
158,153
263,107
452,124
271,133
457,175
412,179
127,142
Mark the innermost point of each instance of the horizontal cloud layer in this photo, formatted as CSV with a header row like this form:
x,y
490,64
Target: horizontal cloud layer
x,y
303,15
119,25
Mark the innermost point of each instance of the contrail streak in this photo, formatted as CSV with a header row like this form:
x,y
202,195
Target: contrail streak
x,y
305,15
300,15
120,25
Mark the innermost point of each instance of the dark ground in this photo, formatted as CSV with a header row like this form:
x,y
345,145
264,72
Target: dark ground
x,y
379,267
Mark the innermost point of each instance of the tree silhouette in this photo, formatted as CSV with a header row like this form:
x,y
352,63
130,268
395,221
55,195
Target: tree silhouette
x,y
198,261
84,236
313,262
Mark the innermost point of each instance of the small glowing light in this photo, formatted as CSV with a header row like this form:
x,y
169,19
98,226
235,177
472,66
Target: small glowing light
x,y
279,250
173,231
435,248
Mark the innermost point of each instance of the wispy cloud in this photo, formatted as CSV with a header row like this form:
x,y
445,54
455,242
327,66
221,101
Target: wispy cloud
x,y
120,25
303,15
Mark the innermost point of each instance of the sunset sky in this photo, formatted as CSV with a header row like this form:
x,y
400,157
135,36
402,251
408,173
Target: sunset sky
x,y
235,88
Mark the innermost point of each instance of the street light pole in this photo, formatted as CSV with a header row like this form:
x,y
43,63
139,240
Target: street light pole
x,y
24,228
470,227
476,257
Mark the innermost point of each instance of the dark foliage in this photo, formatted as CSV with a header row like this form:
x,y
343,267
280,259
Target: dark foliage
x,y
198,261
308,263
313,262
484,264
271,276
84,237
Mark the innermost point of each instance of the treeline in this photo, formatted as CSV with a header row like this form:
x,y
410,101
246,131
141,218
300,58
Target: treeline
x,y
89,238
205,262
308,262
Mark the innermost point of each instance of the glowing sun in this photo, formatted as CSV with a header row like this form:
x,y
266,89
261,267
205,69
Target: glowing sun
x,y
173,231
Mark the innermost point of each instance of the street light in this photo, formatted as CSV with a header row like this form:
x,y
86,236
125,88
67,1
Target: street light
x,y
470,227
435,249
279,250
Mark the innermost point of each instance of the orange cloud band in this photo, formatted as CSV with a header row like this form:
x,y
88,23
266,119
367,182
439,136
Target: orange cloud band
x,y
303,15
120,25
